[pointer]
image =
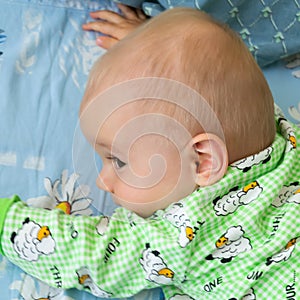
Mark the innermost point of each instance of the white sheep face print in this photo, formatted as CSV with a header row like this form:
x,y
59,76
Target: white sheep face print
x,y
177,216
154,266
32,240
230,244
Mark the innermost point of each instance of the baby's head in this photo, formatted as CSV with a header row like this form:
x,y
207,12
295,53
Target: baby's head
x,y
150,119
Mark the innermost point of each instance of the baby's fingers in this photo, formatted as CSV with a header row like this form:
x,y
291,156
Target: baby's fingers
x,y
95,26
114,25
106,28
106,42
106,15
141,14
114,32
130,13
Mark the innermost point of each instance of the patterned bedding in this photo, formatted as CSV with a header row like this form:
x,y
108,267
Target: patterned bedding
x,y
45,58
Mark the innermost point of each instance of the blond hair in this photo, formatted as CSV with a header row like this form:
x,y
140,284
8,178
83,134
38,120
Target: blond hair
x,y
188,46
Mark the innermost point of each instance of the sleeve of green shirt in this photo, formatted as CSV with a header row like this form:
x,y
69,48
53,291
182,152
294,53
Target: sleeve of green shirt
x,y
5,204
110,257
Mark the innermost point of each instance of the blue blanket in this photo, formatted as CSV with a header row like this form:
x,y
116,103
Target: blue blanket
x,y
45,58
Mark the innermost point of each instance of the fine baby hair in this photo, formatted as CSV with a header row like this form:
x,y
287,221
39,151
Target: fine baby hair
x,y
189,46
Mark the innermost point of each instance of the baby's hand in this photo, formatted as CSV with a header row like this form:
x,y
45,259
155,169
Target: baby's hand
x,y
114,26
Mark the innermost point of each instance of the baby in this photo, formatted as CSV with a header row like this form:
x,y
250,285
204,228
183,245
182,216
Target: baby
x,y
207,178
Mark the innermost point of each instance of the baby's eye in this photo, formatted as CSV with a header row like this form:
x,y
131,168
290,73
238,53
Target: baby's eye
x,y
117,163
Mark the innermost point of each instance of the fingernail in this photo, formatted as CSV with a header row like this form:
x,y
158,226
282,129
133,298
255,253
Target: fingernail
x,y
99,42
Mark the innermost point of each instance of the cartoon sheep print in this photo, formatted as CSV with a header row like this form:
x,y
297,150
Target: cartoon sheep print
x,y
230,202
284,254
247,163
249,296
288,194
230,245
85,279
32,240
289,134
102,226
178,218
154,266
181,297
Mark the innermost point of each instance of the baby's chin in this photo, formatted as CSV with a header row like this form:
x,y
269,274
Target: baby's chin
x,y
143,210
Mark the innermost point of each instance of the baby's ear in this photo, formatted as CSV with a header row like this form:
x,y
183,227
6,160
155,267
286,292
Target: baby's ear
x,y
212,156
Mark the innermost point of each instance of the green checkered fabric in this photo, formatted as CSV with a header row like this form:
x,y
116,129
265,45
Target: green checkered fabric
x,y
236,239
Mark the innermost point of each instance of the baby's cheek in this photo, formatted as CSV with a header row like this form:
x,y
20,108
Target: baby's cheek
x,y
126,194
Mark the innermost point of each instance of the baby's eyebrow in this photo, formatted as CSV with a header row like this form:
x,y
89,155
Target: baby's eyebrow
x,y
101,144
108,147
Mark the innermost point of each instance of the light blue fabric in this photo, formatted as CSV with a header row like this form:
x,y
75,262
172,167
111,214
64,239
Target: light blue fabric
x,y
45,62
45,58
271,29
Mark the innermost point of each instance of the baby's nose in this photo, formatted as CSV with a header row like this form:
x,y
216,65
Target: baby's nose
x,y
104,184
